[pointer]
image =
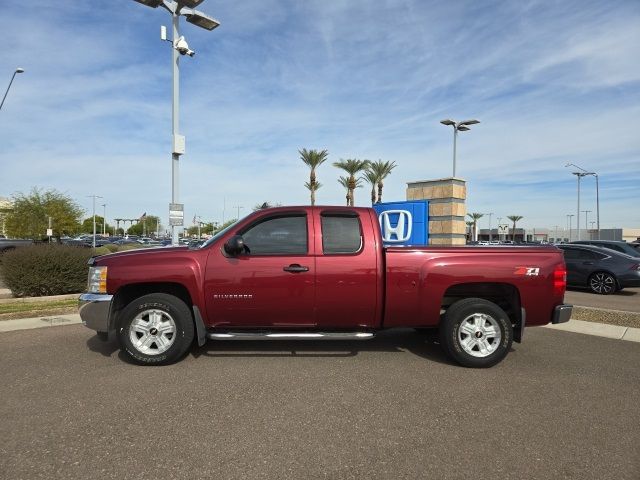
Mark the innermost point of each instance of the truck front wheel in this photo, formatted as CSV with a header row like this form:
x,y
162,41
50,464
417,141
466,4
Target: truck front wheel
x,y
476,333
155,329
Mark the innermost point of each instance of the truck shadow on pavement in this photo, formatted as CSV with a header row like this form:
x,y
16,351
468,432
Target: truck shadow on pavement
x,y
394,341
421,344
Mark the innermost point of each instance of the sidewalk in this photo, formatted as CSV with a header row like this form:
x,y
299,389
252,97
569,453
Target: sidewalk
x,y
39,322
576,326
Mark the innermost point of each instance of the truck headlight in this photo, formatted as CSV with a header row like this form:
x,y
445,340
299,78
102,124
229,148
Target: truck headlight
x,y
97,282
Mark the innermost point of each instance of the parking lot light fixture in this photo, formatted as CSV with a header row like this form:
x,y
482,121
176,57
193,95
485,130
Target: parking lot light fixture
x,y
579,175
17,70
458,127
179,8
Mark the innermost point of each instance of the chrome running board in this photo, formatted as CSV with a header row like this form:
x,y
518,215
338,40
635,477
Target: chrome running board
x,y
290,335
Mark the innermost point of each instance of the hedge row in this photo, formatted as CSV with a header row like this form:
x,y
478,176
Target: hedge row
x,y
49,269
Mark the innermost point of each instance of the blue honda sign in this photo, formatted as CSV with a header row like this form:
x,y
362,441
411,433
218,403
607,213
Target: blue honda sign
x,y
404,223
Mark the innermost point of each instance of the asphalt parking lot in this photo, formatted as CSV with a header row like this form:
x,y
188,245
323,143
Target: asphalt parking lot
x,y
627,299
561,405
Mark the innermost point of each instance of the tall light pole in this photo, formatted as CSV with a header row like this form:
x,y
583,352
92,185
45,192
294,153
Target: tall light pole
x,y
579,175
490,236
18,70
586,221
457,127
179,8
238,207
569,218
104,219
94,217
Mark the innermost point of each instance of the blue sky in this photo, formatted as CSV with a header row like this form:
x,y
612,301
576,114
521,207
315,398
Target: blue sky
x,y
552,82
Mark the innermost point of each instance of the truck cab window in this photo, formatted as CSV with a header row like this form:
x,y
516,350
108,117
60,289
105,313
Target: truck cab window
x,y
341,234
283,235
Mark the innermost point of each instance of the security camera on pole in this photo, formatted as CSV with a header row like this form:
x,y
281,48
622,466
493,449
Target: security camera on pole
x,y
180,46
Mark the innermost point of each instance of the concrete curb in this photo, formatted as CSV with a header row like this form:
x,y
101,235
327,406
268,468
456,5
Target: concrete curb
x,y
575,326
598,329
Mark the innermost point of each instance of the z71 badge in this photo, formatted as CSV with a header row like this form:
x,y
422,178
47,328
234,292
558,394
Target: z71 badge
x,y
528,271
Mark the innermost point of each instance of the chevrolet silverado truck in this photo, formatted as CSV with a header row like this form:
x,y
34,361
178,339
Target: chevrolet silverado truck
x,y
321,273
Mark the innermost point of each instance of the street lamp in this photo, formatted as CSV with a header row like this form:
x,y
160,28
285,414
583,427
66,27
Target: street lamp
x,y
490,236
569,218
177,8
94,218
18,70
579,175
104,219
457,127
586,221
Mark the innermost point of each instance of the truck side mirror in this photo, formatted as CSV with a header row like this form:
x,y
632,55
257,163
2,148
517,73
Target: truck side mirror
x,y
235,245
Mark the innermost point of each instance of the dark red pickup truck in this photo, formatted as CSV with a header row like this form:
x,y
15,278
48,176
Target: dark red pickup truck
x,y
321,273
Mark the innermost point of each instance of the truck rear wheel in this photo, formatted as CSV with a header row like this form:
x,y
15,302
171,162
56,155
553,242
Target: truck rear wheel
x,y
476,333
156,329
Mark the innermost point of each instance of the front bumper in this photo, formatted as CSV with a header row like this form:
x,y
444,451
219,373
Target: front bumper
x,y
561,314
94,311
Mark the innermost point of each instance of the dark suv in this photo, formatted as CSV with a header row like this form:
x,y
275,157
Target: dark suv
x,y
622,247
602,270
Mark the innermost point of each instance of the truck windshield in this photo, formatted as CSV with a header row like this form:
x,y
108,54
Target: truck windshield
x,y
217,236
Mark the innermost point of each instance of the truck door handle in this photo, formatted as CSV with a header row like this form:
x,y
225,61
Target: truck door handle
x,y
587,263
295,268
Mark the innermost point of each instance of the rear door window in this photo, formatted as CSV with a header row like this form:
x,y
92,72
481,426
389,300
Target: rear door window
x,y
341,234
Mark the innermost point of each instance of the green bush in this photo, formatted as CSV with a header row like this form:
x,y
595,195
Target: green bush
x,y
47,269
111,247
101,251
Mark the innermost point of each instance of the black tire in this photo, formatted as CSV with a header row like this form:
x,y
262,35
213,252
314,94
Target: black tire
x,y
603,283
163,327
476,333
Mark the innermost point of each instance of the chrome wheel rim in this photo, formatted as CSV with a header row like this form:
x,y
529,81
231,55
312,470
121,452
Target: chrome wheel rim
x,y
603,283
479,335
152,332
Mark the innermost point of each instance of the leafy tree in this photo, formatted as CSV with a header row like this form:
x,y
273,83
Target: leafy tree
x,y
381,170
30,215
313,159
514,219
352,166
224,225
205,229
146,226
474,220
87,225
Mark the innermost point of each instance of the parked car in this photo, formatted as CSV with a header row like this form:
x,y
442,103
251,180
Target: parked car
x,y
622,247
321,273
6,244
602,270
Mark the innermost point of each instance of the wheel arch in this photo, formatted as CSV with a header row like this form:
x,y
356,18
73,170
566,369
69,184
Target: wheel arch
x,y
505,295
125,295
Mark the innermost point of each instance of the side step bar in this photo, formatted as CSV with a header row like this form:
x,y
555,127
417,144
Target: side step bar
x,y
290,335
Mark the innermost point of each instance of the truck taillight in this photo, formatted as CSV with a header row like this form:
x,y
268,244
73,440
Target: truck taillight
x,y
559,280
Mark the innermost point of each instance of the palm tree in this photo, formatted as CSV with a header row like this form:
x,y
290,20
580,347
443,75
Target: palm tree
x,y
514,219
470,228
372,177
474,218
352,167
382,170
313,188
313,159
